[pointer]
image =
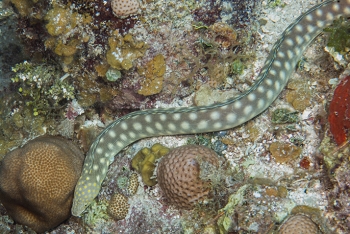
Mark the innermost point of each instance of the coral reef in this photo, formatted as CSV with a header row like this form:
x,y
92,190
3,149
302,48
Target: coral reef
x,y
178,175
118,206
37,181
42,87
339,112
125,8
144,162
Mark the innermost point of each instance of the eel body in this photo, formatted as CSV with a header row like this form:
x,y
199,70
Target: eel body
x,y
272,79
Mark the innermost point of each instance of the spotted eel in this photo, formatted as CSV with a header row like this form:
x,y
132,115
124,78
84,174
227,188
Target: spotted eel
x,y
157,122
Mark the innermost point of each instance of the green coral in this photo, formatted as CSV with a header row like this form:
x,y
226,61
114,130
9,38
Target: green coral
x,y
42,87
339,35
237,67
113,74
281,116
144,162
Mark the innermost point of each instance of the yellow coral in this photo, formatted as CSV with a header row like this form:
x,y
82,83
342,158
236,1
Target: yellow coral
x,y
144,162
123,51
61,22
154,76
58,18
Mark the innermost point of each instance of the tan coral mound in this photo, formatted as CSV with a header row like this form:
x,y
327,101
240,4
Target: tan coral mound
x,y
178,175
299,224
118,206
124,8
37,181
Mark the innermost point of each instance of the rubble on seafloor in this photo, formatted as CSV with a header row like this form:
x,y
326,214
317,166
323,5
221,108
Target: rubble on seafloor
x,y
81,66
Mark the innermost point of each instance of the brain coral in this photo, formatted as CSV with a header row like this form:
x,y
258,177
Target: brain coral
x,y
178,175
299,224
37,181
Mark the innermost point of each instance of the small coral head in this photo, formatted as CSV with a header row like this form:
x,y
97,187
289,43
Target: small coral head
x,y
178,175
339,112
125,8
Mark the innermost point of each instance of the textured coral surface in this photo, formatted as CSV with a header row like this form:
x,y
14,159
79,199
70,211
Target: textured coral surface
x,y
178,175
37,182
299,224
118,206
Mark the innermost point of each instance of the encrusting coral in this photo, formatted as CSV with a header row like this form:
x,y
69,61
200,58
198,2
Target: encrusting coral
x,y
154,76
37,181
179,172
123,51
284,152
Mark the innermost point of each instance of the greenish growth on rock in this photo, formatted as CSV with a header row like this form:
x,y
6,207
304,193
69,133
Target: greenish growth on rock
x,y
17,122
226,221
42,87
339,35
277,3
281,116
113,74
237,67
96,213
122,182
200,140
144,162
